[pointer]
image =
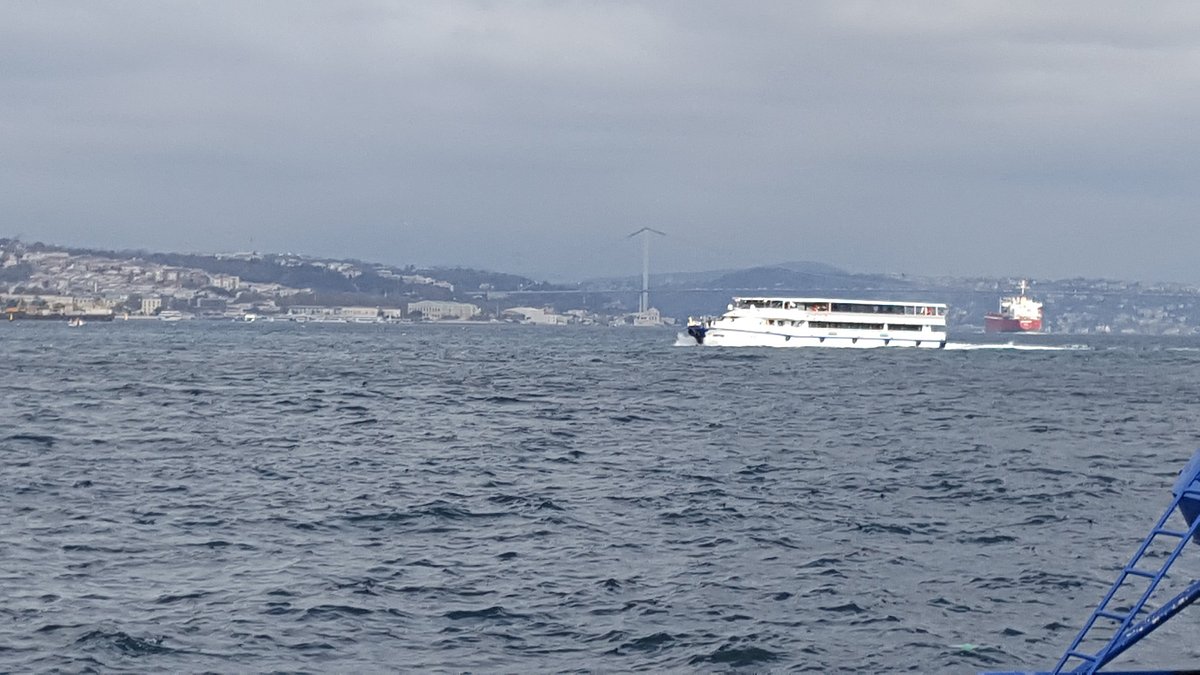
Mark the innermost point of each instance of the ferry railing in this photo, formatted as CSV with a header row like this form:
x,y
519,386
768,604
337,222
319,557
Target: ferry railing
x,y
1117,627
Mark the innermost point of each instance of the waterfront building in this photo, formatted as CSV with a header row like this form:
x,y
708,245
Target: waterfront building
x,y
360,312
312,311
436,310
534,315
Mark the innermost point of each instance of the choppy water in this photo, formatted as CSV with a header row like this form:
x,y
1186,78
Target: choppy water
x,y
187,497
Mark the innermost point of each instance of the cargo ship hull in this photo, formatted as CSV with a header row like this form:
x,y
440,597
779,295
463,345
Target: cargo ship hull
x,y
996,323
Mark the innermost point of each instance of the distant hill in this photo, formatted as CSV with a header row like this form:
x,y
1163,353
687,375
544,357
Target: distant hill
x,y
1072,305
811,267
806,278
325,275
721,278
777,277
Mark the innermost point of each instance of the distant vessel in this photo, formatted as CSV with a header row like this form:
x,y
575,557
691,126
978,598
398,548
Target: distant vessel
x,y
1018,314
823,322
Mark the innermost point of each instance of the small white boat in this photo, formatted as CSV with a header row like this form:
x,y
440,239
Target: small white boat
x,y
75,322
823,322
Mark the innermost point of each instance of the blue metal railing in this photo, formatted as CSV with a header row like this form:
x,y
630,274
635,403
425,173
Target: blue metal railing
x,y
1119,628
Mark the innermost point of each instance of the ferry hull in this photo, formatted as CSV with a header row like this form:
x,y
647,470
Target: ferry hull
x,y
995,323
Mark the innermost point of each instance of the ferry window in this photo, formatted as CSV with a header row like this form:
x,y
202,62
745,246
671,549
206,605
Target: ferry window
x,y
845,325
941,311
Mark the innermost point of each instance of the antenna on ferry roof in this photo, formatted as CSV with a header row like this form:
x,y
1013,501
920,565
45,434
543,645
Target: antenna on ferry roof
x,y
644,298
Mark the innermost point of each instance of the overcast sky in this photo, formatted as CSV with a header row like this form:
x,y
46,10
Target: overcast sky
x,y
1050,139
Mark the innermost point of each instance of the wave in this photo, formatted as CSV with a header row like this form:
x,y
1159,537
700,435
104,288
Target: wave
x,y
971,346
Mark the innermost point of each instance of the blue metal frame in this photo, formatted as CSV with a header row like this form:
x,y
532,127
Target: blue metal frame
x,y
1186,493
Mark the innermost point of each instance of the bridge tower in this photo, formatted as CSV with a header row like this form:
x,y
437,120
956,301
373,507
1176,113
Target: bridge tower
x,y
644,298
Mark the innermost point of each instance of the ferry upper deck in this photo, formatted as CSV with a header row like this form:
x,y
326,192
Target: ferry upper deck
x,y
842,305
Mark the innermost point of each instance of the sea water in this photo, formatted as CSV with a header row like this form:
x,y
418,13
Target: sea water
x,y
285,497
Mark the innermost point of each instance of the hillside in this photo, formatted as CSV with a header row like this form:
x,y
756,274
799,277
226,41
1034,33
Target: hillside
x,y
273,282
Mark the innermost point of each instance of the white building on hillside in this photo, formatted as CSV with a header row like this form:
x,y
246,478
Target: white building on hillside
x,y
364,313
436,310
534,315
226,281
151,305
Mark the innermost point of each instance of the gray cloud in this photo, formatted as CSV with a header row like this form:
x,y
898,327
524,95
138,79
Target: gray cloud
x,y
1049,139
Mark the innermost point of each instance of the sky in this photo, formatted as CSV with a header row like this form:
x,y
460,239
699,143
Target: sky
x,y
974,138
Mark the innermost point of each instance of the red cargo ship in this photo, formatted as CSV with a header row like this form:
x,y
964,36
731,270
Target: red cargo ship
x,y
1018,314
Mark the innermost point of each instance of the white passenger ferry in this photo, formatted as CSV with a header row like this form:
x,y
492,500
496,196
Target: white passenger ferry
x,y
824,322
